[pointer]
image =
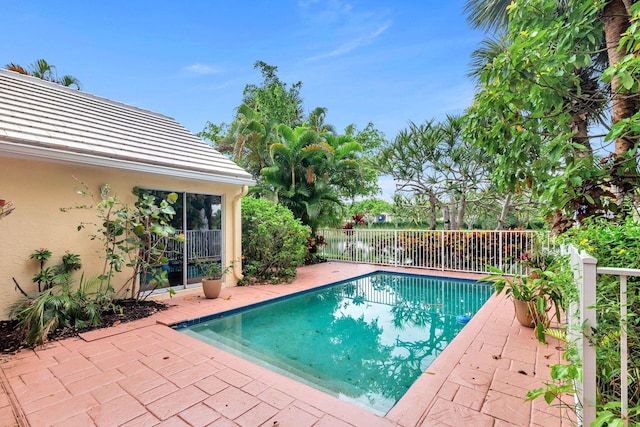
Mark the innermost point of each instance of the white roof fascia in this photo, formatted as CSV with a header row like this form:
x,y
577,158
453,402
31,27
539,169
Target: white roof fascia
x,y
58,156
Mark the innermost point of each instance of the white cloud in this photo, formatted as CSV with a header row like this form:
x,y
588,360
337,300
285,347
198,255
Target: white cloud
x,y
202,69
353,44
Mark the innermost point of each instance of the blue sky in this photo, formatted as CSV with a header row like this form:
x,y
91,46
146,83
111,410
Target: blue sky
x,y
386,62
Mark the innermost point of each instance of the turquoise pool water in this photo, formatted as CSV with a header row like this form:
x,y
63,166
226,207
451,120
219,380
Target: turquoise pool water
x,y
365,340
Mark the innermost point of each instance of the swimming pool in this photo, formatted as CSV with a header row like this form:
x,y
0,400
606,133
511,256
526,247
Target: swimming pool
x,y
365,340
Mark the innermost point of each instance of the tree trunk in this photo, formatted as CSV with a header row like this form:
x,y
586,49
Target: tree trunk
x,y
615,19
580,126
503,214
461,209
452,214
433,210
446,218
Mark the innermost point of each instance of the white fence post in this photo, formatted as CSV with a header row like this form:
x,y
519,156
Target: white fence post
x,y
500,251
395,248
624,350
442,247
357,240
587,280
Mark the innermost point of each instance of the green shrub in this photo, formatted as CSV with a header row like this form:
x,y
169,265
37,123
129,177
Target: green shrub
x,y
614,245
273,241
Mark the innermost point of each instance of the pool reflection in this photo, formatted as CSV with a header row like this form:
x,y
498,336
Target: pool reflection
x,y
365,341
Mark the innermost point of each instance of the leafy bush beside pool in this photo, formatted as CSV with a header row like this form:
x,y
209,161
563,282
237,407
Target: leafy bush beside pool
x,y
273,241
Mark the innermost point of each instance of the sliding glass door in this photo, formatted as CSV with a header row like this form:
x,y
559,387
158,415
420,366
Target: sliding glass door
x,y
199,218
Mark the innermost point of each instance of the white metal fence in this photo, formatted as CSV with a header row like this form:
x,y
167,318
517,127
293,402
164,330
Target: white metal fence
x,y
200,244
586,273
455,250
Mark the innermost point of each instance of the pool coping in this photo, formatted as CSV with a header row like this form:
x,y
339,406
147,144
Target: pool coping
x,y
180,326
435,385
479,379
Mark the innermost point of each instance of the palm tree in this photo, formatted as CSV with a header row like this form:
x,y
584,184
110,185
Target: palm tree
x,y
69,81
489,49
616,19
490,15
45,71
251,137
316,121
303,174
344,171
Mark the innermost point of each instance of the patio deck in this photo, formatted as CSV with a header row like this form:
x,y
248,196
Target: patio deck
x,y
144,373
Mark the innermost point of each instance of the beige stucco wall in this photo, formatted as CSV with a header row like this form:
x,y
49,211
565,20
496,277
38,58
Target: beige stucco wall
x,y
40,189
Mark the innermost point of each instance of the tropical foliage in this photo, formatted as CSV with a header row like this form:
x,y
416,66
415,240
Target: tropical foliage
x,y
543,102
301,163
434,162
273,242
558,106
58,303
132,237
272,99
614,244
306,172
45,71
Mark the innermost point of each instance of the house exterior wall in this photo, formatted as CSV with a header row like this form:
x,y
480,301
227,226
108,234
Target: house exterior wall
x,y
39,189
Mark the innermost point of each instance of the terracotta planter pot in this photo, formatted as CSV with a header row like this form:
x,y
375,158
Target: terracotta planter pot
x,y
211,287
523,314
524,310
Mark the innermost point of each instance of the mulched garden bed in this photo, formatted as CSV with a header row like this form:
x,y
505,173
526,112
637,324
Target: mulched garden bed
x,y
131,310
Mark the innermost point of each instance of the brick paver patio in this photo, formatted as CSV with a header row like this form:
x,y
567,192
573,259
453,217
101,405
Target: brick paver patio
x,y
146,374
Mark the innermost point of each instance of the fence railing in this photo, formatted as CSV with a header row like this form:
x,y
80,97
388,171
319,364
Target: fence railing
x,y
200,244
455,250
586,275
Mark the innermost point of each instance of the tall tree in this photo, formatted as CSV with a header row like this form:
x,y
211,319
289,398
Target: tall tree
x,y
371,140
540,101
316,121
435,161
272,99
304,165
616,18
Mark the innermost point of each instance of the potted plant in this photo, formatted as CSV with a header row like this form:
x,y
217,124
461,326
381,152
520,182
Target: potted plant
x,y
537,297
212,273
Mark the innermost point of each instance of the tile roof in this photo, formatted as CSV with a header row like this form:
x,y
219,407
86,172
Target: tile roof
x,y
44,120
